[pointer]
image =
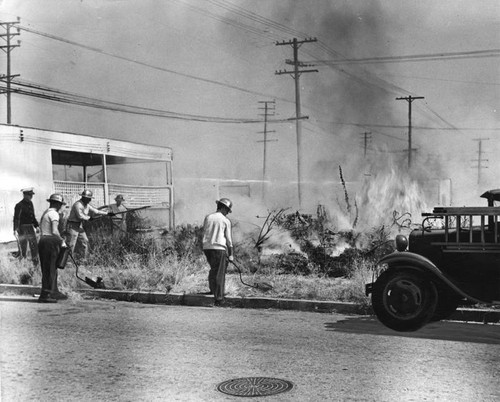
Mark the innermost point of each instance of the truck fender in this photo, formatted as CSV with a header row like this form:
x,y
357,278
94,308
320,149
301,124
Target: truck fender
x,y
426,265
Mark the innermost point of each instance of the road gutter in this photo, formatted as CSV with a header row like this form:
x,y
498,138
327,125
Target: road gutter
x,y
182,299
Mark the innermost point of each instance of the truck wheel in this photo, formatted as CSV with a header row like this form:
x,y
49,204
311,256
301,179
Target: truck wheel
x,y
404,299
447,304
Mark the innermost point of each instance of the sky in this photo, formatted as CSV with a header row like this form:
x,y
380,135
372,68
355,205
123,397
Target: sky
x,y
217,59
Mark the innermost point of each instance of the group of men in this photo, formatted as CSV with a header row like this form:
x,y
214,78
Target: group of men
x,y
53,237
217,237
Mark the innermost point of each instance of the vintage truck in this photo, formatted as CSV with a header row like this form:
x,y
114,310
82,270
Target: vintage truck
x,y
451,260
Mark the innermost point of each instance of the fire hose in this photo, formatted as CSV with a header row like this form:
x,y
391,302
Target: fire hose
x,y
264,286
121,212
132,210
61,261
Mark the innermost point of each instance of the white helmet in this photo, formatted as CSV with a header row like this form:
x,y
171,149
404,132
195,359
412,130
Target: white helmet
x,y
87,194
226,202
56,197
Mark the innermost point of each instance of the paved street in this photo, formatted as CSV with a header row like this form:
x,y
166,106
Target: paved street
x,y
118,351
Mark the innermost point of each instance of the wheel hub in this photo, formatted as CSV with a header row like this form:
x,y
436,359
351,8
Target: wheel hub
x,y
404,298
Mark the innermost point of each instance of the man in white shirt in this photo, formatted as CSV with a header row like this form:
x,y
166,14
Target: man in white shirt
x,y
218,247
49,247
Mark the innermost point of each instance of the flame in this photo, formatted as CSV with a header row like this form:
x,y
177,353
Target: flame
x,y
386,192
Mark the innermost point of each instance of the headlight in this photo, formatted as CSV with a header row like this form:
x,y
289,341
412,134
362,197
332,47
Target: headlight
x,y
401,243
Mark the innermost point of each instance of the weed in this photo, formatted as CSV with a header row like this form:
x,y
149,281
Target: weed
x,y
321,263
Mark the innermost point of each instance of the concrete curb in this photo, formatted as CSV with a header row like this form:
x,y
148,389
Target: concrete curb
x,y
463,314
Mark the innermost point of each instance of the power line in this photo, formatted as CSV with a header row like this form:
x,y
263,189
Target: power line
x,y
116,56
443,79
369,78
345,123
242,12
382,85
415,57
56,95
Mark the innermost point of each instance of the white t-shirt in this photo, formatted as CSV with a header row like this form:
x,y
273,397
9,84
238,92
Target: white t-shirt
x,y
49,216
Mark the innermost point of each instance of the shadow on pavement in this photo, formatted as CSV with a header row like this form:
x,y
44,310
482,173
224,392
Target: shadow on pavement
x,y
443,330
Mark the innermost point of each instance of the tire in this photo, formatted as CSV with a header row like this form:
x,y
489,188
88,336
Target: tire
x,y
447,304
404,299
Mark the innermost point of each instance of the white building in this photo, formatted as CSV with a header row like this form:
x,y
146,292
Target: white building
x,y
68,163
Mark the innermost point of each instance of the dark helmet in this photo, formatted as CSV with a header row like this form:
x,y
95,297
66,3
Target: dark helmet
x,y
87,194
56,197
226,202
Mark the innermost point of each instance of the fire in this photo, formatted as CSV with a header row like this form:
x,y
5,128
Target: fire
x,y
387,192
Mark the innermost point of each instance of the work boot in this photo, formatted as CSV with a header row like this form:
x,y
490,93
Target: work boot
x,y
59,296
46,299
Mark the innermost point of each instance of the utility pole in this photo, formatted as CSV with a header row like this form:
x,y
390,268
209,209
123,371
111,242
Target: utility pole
x,y
7,49
409,99
480,159
269,108
367,137
295,75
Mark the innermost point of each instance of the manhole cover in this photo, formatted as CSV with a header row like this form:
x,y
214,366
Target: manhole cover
x,y
254,386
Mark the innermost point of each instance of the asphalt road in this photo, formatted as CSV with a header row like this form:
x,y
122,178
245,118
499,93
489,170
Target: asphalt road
x,y
118,351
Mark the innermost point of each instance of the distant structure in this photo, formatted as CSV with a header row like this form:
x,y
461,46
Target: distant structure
x,y
67,163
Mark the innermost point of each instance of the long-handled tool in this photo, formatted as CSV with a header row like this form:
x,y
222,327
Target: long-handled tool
x,y
62,259
264,286
132,210
97,284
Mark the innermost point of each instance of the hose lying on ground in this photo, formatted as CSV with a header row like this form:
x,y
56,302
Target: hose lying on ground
x,y
264,286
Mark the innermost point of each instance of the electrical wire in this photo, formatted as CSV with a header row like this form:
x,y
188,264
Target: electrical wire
x,y
368,79
143,64
56,95
416,57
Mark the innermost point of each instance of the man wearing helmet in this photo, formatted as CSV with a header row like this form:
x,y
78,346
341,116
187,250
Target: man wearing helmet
x,y
118,222
49,247
81,211
218,247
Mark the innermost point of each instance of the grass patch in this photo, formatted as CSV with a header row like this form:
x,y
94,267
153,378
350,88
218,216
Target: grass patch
x,y
187,275
173,261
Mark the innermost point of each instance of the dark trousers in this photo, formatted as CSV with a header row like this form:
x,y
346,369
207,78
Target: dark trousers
x,y
217,259
27,235
48,249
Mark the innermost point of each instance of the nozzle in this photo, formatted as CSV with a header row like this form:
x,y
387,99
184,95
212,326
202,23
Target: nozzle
x,y
97,284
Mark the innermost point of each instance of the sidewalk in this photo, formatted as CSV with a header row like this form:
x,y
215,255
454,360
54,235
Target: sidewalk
x,y
26,293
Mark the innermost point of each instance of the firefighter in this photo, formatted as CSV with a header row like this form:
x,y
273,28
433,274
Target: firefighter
x,y
49,247
81,211
119,223
218,247
26,225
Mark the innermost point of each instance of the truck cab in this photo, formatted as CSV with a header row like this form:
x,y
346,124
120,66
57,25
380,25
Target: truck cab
x,y
452,259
